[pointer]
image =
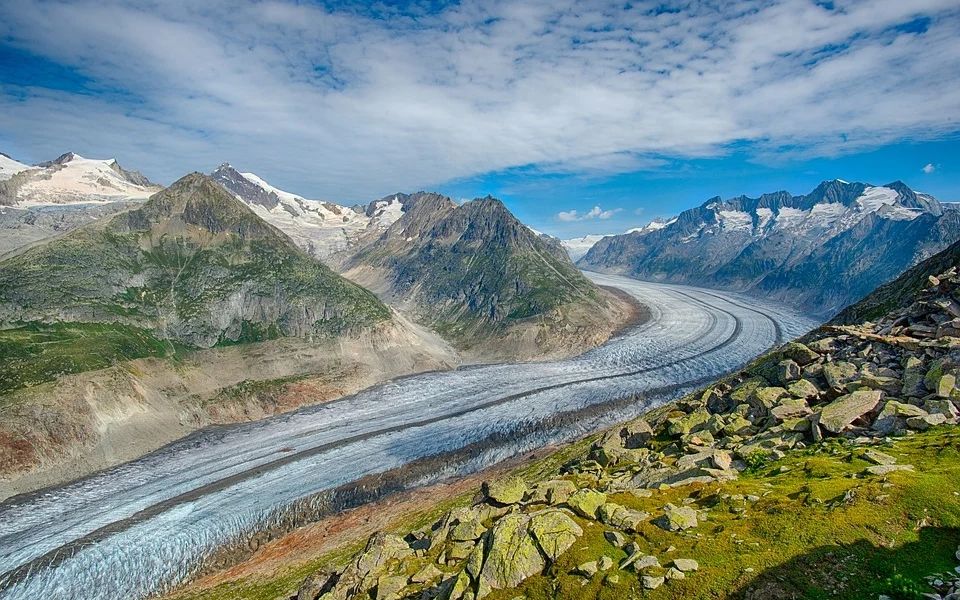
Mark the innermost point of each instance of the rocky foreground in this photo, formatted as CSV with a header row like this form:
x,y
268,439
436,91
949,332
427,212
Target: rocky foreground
x,y
845,437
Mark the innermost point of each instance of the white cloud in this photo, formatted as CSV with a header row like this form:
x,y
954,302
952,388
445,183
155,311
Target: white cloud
x,y
929,168
340,105
594,213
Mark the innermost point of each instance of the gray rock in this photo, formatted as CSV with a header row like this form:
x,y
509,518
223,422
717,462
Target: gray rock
x,y
686,564
843,411
650,582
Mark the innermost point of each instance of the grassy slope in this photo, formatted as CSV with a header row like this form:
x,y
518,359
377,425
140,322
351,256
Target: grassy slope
x,y
40,352
869,544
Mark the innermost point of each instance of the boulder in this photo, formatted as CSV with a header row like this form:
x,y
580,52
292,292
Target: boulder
x,y
838,374
615,538
316,585
803,389
455,588
943,407
674,574
843,411
588,569
887,469
722,460
913,373
639,561
605,563
766,398
513,554
799,353
894,415
790,408
677,518
926,422
466,531
389,586
636,434
946,386
877,457
621,517
427,574
586,502
686,564
689,423
787,371
505,491
650,582
554,532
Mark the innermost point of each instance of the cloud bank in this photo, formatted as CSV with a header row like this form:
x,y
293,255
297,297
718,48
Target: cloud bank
x,y
594,213
349,104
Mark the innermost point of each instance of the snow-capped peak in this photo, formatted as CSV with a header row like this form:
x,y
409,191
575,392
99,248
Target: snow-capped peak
x,y
10,167
73,179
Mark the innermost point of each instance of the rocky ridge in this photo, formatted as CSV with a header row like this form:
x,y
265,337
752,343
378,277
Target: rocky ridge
x,y
323,229
851,389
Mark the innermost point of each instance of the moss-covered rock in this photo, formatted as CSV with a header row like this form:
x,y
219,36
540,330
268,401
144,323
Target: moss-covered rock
x,y
586,502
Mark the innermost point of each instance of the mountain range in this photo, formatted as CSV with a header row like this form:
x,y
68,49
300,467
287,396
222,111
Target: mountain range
x,y
818,252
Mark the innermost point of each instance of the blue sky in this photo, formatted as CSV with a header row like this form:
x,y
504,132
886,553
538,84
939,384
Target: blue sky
x,y
584,116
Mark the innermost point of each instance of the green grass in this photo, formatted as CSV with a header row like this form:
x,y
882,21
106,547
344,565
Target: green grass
x,y
37,353
805,538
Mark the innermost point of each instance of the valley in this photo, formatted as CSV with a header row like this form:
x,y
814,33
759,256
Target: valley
x,y
147,525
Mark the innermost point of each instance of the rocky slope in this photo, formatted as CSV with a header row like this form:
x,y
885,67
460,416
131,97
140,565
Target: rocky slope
x,y
485,281
826,468
321,228
791,248
105,332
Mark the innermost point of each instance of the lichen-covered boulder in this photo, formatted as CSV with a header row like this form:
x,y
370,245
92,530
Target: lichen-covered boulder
x,y
513,554
893,416
621,517
586,502
554,532
843,411
688,423
677,518
505,491
838,374
636,434
803,389
799,353
913,373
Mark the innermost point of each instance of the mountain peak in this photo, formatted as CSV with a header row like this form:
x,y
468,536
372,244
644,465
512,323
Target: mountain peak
x,y
197,199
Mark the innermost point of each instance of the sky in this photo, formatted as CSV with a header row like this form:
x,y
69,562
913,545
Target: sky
x,y
583,116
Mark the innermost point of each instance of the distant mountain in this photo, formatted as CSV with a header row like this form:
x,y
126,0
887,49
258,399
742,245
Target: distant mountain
x,y
818,252
193,266
577,247
321,228
70,179
483,279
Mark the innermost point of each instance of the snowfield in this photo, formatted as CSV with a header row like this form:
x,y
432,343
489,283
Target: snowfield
x,y
142,527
